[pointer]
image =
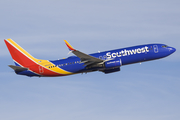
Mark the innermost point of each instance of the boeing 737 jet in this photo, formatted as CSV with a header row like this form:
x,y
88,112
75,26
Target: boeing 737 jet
x,y
106,62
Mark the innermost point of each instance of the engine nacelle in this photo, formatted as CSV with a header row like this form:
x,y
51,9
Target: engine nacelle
x,y
111,70
113,63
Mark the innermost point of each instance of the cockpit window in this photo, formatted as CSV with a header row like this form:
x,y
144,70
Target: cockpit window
x,y
164,46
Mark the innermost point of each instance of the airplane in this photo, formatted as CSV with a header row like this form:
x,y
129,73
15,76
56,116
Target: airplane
x,y
106,62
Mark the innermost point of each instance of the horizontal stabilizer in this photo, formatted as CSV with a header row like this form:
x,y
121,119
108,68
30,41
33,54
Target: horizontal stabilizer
x,y
18,68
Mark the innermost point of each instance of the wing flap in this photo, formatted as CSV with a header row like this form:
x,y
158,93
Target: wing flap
x,y
88,63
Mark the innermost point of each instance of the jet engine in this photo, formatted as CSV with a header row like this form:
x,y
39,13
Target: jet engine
x,y
113,63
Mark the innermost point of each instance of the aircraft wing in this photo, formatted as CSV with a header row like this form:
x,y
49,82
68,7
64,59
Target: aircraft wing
x,y
85,58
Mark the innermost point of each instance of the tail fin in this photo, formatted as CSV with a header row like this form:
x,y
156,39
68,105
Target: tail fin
x,y
19,55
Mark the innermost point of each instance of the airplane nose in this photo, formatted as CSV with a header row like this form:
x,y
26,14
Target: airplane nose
x,y
172,50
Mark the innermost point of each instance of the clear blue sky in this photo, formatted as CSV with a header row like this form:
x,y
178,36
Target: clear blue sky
x,y
150,91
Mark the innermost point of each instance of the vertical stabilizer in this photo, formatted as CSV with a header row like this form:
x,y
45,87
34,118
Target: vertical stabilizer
x,y
19,55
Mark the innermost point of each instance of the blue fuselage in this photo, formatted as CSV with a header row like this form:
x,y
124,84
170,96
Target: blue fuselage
x,y
127,56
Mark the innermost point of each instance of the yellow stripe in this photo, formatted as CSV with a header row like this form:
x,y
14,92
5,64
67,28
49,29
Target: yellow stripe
x,y
43,63
47,64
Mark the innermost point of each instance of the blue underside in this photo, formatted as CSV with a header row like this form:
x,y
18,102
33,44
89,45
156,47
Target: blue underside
x,y
16,64
27,73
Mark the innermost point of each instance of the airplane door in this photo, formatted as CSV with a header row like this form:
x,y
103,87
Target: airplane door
x,y
155,48
41,69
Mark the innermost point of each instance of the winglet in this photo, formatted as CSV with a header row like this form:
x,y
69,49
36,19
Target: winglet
x,y
69,46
